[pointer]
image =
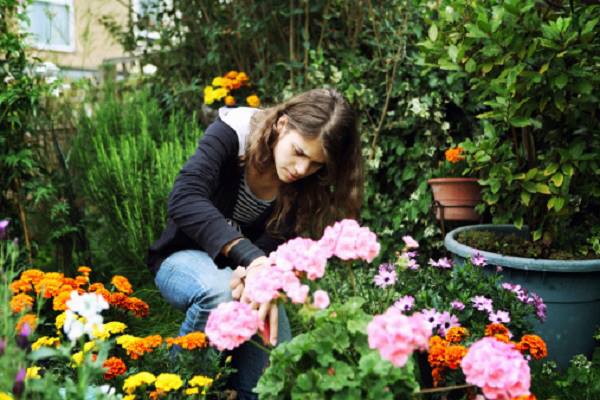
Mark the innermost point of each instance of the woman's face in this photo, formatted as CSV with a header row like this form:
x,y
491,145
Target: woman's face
x,y
295,156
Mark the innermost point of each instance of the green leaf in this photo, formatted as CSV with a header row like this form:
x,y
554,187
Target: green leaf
x,y
519,222
433,32
567,169
557,179
542,188
536,235
525,198
559,203
485,68
550,203
561,81
530,187
550,169
544,68
452,52
531,174
470,66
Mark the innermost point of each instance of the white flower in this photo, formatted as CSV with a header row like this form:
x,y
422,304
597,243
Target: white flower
x,y
149,69
73,327
445,126
8,79
87,305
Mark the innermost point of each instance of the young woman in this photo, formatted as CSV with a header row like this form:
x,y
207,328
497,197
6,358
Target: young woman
x,y
258,178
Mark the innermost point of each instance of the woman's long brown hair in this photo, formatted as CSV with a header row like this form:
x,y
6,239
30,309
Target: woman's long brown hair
x,y
307,206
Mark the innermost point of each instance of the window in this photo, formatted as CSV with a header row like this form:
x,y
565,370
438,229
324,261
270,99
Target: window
x,y
52,25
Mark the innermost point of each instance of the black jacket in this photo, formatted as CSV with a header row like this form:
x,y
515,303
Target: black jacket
x,y
203,196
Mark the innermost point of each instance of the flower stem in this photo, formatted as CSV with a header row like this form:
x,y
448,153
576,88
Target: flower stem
x,y
260,346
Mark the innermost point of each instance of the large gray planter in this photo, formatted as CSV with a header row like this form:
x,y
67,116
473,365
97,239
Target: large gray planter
x,y
570,289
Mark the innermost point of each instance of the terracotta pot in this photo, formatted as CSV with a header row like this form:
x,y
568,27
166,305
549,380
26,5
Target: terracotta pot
x,y
455,198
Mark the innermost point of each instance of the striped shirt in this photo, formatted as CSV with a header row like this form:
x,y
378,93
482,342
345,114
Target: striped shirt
x,y
248,207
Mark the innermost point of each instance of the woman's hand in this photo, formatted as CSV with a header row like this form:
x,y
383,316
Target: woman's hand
x,y
267,312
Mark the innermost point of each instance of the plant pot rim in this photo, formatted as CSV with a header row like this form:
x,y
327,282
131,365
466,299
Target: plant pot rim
x,y
524,263
451,180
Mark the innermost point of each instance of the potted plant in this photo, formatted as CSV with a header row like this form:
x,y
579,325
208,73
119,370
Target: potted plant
x,y
527,73
455,197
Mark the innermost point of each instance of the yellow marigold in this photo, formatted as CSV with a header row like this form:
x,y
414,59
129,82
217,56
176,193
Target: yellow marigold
x,y
454,355
122,284
89,346
29,319
200,381
59,302
125,340
32,276
60,320
110,328
454,155
33,373
129,397
219,81
45,341
220,93
21,286
230,101
191,341
85,270
502,338
209,97
167,382
231,75
21,302
456,334
192,391
253,100
242,77
77,359
137,380
5,396
533,344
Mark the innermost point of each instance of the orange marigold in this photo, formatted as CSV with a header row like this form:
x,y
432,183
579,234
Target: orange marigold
x,y
82,280
70,283
242,77
454,154
437,356
32,276
137,348
122,284
50,284
438,376
533,344
502,338
454,355
191,341
139,308
20,286
29,319
230,101
59,303
496,329
231,74
529,396
118,300
456,334
114,367
85,270
21,302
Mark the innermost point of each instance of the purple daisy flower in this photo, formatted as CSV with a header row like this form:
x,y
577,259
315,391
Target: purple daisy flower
x,y
457,305
385,278
499,317
482,303
386,267
478,259
410,242
432,317
447,321
405,303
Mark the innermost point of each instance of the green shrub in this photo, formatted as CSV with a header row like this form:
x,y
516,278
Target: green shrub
x,y
129,152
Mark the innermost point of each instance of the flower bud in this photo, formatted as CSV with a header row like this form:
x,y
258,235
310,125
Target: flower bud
x,y
19,386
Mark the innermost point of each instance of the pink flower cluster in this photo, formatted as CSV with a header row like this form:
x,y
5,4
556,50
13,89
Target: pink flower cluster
x,y
347,240
267,283
396,336
497,368
303,255
231,324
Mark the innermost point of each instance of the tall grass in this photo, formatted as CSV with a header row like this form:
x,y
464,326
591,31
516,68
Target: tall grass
x,y
129,152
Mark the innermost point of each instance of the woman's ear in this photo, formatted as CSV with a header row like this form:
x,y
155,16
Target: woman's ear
x,y
281,123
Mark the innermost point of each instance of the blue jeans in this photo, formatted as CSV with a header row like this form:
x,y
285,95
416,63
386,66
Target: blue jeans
x,y
190,281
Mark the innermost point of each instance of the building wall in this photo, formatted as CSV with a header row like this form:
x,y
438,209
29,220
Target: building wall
x,y
93,42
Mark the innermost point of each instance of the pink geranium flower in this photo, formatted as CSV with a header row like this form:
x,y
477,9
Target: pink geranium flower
x,y
231,324
321,299
347,240
497,368
396,336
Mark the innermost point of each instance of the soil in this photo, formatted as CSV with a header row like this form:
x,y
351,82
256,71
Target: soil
x,y
518,246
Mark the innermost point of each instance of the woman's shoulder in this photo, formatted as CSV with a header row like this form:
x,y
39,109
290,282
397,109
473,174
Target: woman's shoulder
x,y
238,119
